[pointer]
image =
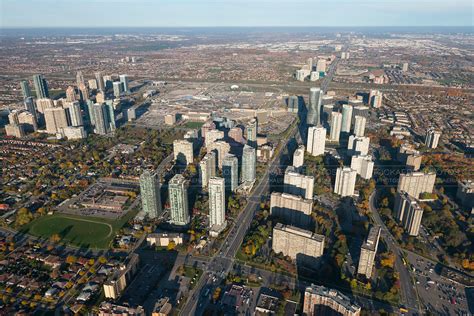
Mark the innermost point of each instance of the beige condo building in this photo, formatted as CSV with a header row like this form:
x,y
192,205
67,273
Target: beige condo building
x,y
368,252
293,209
415,183
293,241
319,300
298,184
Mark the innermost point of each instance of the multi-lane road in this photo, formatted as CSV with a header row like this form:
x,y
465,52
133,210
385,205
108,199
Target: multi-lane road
x,y
223,261
409,296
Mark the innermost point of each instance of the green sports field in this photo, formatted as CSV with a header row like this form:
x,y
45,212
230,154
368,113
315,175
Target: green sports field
x,y
193,124
88,232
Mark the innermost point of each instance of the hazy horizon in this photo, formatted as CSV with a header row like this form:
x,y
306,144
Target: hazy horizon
x,y
234,13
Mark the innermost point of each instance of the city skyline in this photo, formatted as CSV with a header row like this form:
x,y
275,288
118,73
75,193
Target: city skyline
x,y
228,170
232,13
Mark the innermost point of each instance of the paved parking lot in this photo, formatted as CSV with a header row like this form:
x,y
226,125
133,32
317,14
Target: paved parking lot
x,y
437,294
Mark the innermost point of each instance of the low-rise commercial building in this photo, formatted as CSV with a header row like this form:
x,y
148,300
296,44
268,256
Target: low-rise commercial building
x,y
163,239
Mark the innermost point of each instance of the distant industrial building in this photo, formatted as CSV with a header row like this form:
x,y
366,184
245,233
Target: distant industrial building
x,y
368,252
319,300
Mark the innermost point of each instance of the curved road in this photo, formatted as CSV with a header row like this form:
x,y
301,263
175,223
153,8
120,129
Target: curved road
x,y
409,296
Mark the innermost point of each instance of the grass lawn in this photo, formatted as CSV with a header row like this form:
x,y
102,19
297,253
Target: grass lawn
x,y
81,231
194,274
193,124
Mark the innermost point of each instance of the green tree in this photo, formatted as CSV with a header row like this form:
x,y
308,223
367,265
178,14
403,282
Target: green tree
x,y
23,217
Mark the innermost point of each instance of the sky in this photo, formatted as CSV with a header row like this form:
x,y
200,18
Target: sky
x,y
172,13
